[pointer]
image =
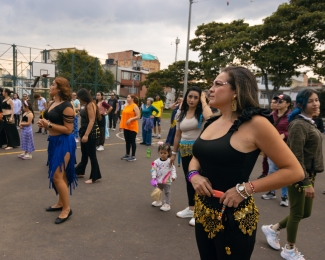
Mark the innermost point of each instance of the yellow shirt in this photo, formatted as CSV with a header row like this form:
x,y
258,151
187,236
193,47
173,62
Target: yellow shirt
x,y
159,105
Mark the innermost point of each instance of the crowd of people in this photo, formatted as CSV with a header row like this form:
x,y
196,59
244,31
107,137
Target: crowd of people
x,y
216,136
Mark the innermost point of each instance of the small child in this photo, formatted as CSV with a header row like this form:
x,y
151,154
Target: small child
x,y
164,174
27,139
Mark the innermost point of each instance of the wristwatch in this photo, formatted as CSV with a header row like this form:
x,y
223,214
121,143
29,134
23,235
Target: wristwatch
x,y
241,189
50,125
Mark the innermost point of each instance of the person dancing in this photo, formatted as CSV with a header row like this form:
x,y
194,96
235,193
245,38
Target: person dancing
x,y
193,112
27,138
223,158
58,120
129,126
76,104
305,141
104,109
8,131
147,122
89,133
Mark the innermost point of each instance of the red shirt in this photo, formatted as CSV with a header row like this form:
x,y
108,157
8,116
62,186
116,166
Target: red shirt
x,y
282,125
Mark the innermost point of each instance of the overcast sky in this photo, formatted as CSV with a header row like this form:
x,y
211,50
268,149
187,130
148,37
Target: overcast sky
x,y
103,26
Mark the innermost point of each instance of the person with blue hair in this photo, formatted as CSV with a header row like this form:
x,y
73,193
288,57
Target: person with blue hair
x,y
305,141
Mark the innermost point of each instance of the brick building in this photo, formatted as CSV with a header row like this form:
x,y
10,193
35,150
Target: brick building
x,y
136,60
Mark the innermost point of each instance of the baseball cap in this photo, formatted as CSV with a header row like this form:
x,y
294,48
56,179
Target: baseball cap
x,y
283,97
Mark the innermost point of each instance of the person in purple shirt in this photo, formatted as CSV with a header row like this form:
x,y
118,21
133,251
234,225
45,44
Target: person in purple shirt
x,y
280,117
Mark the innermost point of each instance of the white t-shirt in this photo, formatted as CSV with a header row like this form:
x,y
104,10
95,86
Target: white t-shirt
x,y
41,103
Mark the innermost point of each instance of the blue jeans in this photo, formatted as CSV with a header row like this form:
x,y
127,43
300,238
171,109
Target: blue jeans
x,y
75,126
106,128
273,168
146,135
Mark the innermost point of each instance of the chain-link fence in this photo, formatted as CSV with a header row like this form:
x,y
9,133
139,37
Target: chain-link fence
x,y
81,69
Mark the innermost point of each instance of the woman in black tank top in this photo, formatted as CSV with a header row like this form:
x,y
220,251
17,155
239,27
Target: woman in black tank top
x,y
223,158
58,120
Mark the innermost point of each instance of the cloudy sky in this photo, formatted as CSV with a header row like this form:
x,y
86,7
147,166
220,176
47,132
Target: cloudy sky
x,y
103,26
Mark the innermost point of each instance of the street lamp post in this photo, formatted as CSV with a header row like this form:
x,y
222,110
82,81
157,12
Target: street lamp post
x,y
187,48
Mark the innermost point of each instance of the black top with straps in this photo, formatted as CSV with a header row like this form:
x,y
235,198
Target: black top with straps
x,y
5,105
56,115
223,165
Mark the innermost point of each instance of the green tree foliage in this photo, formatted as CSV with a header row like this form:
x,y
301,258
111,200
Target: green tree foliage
x,y
155,88
173,76
301,22
84,71
272,57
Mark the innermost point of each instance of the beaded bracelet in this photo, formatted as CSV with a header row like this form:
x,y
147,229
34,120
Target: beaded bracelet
x,y
190,174
252,187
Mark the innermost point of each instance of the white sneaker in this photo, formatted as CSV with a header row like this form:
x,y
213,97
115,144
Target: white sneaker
x,y
157,203
77,140
21,155
27,157
165,207
192,222
291,254
153,135
186,213
272,237
113,129
159,136
100,148
284,201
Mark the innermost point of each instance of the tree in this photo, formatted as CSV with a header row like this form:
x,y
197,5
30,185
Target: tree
x,y
173,76
237,43
84,71
301,22
155,88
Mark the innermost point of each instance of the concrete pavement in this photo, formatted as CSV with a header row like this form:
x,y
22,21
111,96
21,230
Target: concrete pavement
x,y
114,219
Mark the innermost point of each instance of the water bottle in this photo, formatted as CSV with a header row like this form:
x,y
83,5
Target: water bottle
x,y
148,153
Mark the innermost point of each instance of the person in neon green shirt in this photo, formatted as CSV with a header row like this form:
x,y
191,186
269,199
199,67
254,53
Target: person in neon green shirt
x,y
157,116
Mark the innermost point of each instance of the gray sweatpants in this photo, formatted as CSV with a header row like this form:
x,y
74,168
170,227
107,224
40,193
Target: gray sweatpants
x,y
166,189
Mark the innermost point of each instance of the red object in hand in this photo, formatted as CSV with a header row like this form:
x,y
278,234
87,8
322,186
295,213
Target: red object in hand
x,y
217,194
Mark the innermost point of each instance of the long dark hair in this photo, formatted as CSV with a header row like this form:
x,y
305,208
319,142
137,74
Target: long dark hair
x,y
84,95
102,94
30,107
184,108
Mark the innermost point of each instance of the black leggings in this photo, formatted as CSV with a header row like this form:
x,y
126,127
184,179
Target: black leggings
x,y
112,119
190,190
101,125
89,150
129,137
241,245
17,119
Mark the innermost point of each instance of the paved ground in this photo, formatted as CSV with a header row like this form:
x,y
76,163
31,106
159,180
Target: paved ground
x,y
114,219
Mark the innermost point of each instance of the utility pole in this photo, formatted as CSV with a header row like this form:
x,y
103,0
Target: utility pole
x,y
177,42
187,48
14,67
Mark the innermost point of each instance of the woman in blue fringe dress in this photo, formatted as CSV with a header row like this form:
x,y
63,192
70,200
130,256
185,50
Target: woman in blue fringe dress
x,y
58,120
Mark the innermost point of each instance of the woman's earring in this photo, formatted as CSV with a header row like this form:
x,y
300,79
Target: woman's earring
x,y
233,104
59,94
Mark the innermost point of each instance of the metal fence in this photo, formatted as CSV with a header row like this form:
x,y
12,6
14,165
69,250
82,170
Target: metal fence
x,y
16,70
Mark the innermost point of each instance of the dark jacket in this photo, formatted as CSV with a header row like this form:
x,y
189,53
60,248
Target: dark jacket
x,y
305,141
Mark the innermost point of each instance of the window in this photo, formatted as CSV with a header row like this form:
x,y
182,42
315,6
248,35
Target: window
x,y
136,76
126,75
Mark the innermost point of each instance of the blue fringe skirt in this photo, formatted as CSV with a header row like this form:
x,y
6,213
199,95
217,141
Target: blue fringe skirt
x,y
59,146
